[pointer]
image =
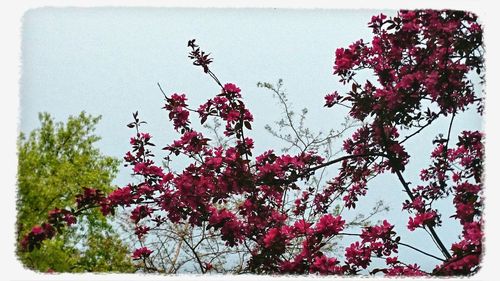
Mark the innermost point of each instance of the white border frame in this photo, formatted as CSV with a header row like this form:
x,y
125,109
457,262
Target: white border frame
x,y
11,14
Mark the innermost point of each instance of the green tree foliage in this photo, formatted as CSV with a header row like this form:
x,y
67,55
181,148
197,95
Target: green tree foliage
x,y
55,162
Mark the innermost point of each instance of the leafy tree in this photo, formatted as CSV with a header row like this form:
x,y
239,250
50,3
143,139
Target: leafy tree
x,y
55,162
421,65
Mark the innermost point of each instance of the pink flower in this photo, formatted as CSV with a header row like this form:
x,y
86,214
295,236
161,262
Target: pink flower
x,y
329,225
141,253
344,59
139,167
378,19
332,99
391,260
145,136
233,116
176,105
140,212
324,265
231,88
37,230
247,115
121,196
302,227
271,237
231,228
141,231
358,255
422,219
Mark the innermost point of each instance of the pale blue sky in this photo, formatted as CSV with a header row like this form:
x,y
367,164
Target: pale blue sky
x,y
107,61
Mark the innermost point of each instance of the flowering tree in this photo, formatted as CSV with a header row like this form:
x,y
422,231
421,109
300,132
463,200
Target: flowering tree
x,y
422,63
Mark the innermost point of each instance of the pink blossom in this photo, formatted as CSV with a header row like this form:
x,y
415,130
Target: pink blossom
x,y
421,219
329,225
231,88
332,99
271,237
141,253
358,255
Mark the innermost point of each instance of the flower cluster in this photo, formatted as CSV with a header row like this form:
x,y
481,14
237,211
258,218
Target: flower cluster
x,y
228,106
231,228
324,265
422,219
141,253
332,99
57,219
176,106
381,238
271,168
417,56
36,236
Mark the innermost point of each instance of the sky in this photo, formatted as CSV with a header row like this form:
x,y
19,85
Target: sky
x,y
108,61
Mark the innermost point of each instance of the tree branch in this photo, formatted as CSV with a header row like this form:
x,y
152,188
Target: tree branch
x,y
195,255
410,194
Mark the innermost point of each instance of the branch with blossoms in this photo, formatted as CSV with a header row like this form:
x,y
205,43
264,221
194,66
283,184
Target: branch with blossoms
x,y
233,202
422,75
58,219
